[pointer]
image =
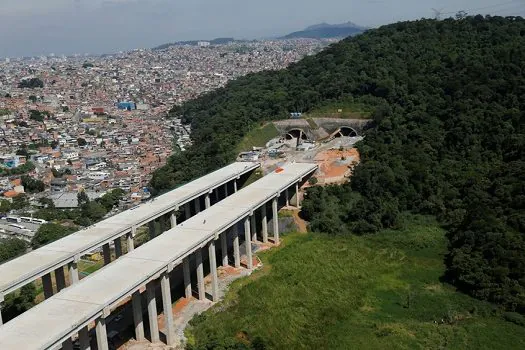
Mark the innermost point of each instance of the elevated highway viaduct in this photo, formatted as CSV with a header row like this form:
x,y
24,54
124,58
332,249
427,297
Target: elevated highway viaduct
x,y
241,216
64,254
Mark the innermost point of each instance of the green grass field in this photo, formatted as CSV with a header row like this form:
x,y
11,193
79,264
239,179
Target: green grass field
x,y
374,292
258,137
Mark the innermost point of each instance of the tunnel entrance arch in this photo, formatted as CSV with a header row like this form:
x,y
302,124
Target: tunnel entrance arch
x,y
346,131
296,134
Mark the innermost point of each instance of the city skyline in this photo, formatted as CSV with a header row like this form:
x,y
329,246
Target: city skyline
x,y
32,28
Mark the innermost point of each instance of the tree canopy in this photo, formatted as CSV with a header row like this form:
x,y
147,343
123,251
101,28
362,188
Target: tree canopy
x,y
447,139
48,233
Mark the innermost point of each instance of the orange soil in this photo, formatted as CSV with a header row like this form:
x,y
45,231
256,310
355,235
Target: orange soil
x,y
329,162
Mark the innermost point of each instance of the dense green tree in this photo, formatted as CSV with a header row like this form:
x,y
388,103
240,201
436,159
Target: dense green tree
x,y
48,233
31,83
82,198
447,137
32,185
81,141
20,202
10,248
18,302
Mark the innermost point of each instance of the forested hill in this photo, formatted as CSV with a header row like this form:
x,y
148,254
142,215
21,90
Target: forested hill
x,y
325,30
448,138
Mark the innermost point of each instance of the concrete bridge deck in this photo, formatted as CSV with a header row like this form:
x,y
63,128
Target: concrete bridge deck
x,y
54,321
25,269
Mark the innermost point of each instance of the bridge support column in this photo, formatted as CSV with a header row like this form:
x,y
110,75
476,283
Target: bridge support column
x,y
166,305
83,338
286,196
137,316
264,222
118,247
236,247
102,335
173,219
213,272
48,285
60,279
275,221
129,239
187,210
162,224
187,277
248,243
224,248
200,275
152,312
235,186
1,301
197,205
67,344
151,228
73,272
207,201
253,223
297,196
225,190
106,252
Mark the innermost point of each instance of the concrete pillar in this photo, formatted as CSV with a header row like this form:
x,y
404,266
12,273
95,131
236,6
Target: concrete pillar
x,y
118,247
129,239
48,285
197,202
187,210
264,220
73,272
162,223
106,252
67,344
200,275
102,335
60,279
83,338
137,316
151,228
247,241
207,201
213,272
166,305
253,229
275,221
224,248
173,219
152,312
287,197
1,301
236,247
297,198
187,277
234,186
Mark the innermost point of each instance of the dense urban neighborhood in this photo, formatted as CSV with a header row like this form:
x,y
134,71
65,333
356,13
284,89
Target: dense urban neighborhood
x,y
92,124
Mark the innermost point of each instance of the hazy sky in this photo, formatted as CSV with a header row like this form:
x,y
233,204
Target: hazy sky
x,y
34,27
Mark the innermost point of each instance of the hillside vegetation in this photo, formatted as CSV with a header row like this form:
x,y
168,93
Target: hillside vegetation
x,y
349,292
447,101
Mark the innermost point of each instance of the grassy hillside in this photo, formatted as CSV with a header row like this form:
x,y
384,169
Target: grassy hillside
x,y
258,137
348,292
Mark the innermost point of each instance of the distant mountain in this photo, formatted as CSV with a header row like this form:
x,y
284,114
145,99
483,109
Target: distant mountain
x,y
326,31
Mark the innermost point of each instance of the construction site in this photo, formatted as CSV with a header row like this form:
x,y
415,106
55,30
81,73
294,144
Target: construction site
x,y
329,142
